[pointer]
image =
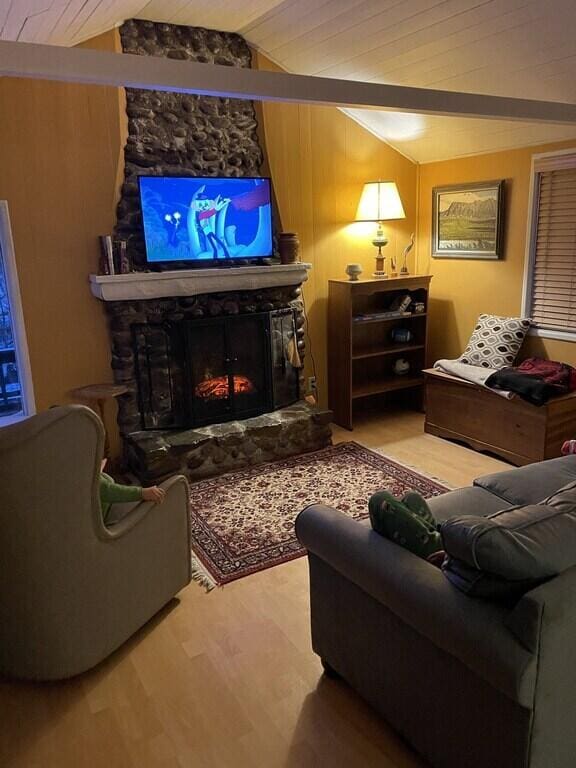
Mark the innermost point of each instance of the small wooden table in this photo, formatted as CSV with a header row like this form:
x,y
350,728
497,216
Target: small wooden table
x,y
95,396
517,431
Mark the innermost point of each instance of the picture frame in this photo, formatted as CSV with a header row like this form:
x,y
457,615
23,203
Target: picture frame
x,y
467,220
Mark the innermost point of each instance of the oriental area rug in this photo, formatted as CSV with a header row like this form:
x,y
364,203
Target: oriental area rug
x,y
243,522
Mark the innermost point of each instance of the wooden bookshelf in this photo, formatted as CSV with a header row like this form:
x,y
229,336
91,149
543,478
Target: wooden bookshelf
x,y
361,353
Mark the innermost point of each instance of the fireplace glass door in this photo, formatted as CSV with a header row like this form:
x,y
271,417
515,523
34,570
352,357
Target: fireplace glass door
x,y
228,368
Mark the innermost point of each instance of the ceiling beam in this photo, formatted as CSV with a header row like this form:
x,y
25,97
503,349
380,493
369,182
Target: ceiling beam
x,y
81,65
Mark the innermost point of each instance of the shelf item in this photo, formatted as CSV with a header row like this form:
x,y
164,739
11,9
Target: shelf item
x,y
361,353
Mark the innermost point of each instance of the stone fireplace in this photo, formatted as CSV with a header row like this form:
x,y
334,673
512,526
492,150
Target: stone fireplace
x,y
212,358
215,377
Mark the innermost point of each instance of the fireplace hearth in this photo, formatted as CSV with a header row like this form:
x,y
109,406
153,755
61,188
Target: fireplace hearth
x,y
154,455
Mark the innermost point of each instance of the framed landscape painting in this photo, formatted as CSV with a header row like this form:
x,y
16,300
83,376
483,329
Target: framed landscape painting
x,y
467,220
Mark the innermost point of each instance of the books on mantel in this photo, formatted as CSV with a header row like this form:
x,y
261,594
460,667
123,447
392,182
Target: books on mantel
x,y
388,315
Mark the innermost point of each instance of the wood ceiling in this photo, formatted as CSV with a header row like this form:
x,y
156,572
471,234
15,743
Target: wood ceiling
x,y
522,48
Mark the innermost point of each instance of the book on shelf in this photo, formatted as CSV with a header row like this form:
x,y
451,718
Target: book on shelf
x,y
401,303
389,315
106,256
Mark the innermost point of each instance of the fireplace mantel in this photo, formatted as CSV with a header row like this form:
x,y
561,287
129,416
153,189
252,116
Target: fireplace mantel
x,y
192,282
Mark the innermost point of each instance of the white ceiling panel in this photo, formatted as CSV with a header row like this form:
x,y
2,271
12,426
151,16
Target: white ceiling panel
x,y
520,48
425,138
226,15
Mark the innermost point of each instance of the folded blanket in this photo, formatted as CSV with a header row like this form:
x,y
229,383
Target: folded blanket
x,y
471,373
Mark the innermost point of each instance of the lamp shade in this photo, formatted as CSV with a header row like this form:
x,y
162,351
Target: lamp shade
x,y
380,201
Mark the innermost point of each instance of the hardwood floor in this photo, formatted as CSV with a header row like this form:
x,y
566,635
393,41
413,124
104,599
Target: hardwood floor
x,y
225,679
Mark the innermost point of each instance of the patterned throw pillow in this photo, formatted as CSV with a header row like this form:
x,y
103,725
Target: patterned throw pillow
x,y
495,341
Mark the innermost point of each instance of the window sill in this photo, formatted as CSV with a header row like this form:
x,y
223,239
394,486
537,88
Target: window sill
x,y
14,418
548,333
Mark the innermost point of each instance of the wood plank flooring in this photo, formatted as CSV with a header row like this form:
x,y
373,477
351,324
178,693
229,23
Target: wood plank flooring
x,y
225,679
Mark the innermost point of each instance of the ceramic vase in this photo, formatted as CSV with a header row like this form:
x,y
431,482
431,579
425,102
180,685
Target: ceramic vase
x,y
289,247
353,271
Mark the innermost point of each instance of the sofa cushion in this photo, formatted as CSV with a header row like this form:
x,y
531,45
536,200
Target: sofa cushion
x,y
530,484
495,341
514,550
465,501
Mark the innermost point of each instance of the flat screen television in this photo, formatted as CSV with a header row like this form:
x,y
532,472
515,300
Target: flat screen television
x,y
192,220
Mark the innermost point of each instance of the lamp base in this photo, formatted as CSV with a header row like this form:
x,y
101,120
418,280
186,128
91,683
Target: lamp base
x,y
380,241
380,266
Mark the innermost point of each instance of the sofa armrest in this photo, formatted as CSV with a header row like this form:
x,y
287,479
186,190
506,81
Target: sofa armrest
x,y
418,593
544,620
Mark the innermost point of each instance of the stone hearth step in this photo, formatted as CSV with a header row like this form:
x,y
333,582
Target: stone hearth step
x,y
219,448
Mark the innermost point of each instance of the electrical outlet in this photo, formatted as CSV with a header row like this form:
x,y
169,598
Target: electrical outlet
x,y
311,383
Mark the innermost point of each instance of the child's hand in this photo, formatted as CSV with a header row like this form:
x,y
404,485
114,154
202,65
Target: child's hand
x,y
154,494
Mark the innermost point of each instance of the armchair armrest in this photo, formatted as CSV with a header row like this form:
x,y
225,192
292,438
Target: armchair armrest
x,y
472,630
124,517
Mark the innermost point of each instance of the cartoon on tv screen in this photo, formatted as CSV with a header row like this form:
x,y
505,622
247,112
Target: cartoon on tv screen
x,y
190,219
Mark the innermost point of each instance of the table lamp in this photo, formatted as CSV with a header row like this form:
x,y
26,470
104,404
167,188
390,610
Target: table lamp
x,y
380,202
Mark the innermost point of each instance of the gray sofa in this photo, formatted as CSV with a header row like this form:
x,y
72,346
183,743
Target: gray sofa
x,y
469,683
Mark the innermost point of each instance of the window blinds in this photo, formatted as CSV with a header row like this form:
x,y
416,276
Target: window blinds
x,y
554,255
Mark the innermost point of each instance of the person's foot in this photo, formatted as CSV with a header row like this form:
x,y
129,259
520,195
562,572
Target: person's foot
x,y
396,521
418,506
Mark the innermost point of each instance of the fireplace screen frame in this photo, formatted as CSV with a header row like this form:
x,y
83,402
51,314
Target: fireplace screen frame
x,y
172,342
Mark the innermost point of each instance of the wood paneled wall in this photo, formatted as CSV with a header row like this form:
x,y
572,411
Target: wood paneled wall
x,y
60,161
319,160
60,170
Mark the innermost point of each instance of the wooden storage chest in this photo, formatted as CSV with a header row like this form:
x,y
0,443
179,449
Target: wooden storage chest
x,y
512,429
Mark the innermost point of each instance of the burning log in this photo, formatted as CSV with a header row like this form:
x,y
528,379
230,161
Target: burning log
x,y
217,388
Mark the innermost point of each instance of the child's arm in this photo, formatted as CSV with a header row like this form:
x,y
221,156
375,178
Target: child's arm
x,y
114,493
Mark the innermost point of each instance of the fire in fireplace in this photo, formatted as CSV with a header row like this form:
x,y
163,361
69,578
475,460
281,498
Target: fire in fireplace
x,y
203,371
218,387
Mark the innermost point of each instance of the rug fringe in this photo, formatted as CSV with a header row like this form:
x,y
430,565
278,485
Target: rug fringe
x,y
200,574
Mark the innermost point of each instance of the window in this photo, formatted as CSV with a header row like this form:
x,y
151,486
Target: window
x,y
16,395
550,275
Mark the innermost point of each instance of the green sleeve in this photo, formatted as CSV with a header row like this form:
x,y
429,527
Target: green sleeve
x,y
113,493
